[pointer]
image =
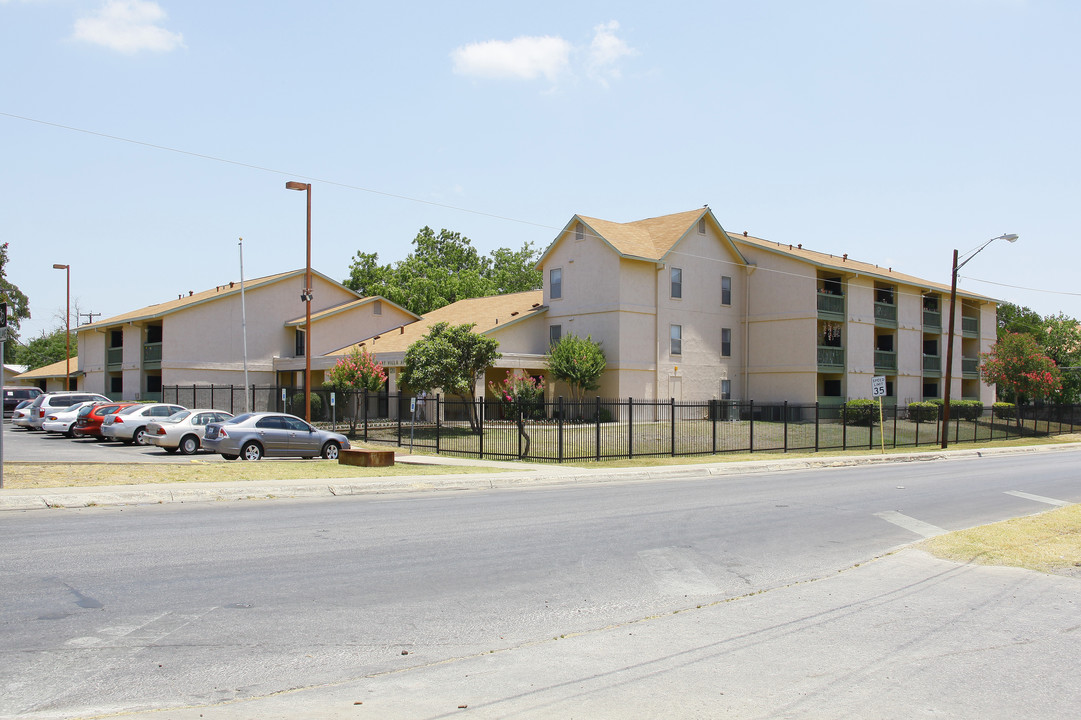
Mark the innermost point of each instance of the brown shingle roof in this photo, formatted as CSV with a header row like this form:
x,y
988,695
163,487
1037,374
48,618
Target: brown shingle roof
x,y
57,369
651,238
491,314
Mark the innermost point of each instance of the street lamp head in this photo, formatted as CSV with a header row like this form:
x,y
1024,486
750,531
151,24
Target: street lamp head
x,y
58,266
294,185
1009,237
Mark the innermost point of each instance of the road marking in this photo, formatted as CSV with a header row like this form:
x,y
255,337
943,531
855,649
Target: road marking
x,y
675,573
910,523
1037,498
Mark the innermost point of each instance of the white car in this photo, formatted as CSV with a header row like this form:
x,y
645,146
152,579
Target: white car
x,y
183,431
63,421
49,403
129,424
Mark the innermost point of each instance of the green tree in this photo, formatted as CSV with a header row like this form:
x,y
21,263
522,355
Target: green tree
x,y
18,305
1017,319
353,374
44,350
578,362
515,270
450,357
1062,343
1018,367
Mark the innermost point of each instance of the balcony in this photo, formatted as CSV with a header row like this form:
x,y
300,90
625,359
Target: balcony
x,y
970,368
932,320
114,358
885,362
932,365
970,326
831,307
885,314
152,356
831,359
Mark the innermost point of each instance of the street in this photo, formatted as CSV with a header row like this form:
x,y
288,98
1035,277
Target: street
x,y
137,608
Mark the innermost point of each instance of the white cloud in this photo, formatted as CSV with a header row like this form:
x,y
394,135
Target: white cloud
x,y
605,52
128,26
522,57
528,58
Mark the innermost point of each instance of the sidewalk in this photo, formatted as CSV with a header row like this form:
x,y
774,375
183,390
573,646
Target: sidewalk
x,y
904,636
504,475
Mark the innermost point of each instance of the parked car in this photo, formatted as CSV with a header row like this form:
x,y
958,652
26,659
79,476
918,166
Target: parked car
x,y
253,436
20,413
15,395
129,424
89,421
183,431
51,402
63,421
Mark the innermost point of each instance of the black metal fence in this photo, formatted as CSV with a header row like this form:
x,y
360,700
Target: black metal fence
x,y
599,429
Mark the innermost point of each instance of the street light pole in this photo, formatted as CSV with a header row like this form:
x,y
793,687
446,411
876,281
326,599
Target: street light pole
x,y
67,326
307,297
1009,237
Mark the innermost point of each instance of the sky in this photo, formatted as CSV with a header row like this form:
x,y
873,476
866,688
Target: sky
x,y
141,139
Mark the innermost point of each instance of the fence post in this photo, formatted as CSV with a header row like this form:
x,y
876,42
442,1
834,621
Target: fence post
x,y
750,411
597,408
894,427
871,432
480,419
438,425
816,425
630,428
559,434
398,403
713,411
940,432
253,406
785,410
672,420
844,427
364,412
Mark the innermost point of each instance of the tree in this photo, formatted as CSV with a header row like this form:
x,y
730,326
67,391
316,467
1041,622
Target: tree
x,y
578,362
444,268
1062,343
18,304
1017,319
450,358
44,350
353,374
521,395
1015,364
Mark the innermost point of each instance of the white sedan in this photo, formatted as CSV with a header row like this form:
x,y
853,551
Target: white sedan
x,y
183,431
129,424
63,421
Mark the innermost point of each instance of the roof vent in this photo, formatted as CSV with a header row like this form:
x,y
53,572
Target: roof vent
x,y
401,330
190,293
800,246
536,304
789,246
744,233
230,284
514,313
844,258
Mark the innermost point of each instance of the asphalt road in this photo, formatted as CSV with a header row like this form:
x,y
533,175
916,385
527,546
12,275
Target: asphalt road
x,y
108,609
21,445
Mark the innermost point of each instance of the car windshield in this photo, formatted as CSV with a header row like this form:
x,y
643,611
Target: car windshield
x,y
177,416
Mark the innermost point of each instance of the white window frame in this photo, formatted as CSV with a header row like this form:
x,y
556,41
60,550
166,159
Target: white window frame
x,y
555,334
726,279
675,335
728,342
555,286
675,278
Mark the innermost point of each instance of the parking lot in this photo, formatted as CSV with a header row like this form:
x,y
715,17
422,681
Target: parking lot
x,y
38,447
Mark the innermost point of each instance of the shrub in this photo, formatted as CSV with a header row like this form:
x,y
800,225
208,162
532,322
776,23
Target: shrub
x,y
966,409
861,412
1004,410
296,405
923,411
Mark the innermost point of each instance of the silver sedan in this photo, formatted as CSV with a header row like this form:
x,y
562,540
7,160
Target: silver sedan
x,y
184,430
254,436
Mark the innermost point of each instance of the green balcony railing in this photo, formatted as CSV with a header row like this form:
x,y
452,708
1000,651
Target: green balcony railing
x,y
831,358
114,356
932,363
932,320
151,353
831,304
885,314
970,366
970,326
885,361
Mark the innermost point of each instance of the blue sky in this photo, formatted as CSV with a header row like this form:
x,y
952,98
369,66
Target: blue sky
x,y
891,130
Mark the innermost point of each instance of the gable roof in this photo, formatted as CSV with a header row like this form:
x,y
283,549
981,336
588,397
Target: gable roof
x,y
490,314
347,306
151,312
651,239
845,264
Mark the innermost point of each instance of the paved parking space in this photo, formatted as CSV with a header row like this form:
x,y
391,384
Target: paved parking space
x,y
33,446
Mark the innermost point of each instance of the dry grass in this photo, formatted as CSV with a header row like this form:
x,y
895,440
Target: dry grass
x,y
1049,542
90,475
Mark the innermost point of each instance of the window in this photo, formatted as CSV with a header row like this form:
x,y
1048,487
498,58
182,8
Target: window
x,y
677,282
555,283
116,384
930,389
153,333
726,389
930,347
579,232
726,290
677,339
377,307
153,383
116,338
831,388
726,342
298,350
555,332
702,226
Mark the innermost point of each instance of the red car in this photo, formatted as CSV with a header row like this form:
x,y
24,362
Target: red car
x,y
89,422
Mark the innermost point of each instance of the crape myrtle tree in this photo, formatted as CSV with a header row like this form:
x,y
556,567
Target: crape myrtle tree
x,y
579,362
353,374
1020,370
450,358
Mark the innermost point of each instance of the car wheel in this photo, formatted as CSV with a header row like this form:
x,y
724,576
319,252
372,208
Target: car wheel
x,y
229,457
169,450
189,444
251,451
71,431
330,450
139,436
